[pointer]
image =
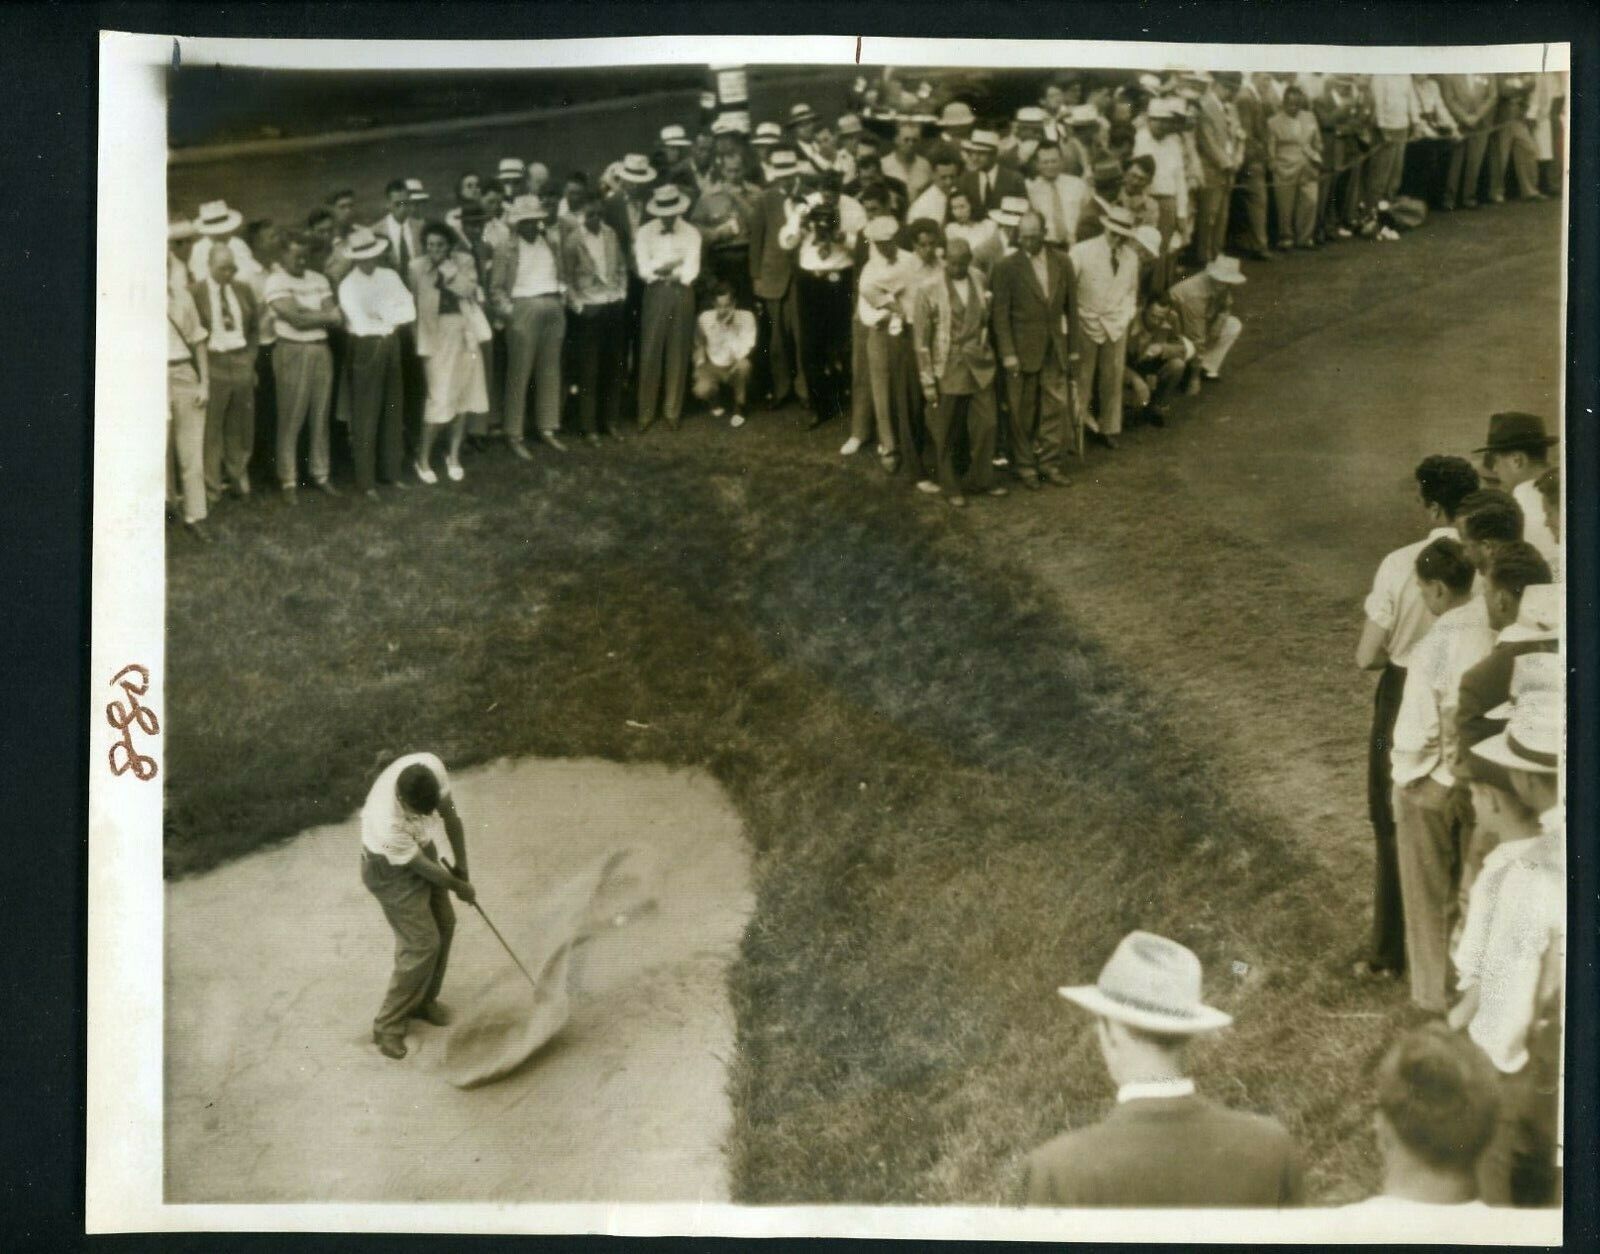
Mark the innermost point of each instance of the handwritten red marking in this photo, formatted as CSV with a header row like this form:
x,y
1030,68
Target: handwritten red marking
x,y
125,717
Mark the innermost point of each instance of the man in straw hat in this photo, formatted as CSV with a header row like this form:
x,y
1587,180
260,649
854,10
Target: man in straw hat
x,y
667,252
1106,271
527,287
1163,1144
1204,302
801,123
1027,133
1511,955
228,311
1514,454
217,226
985,181
376,304
1162,141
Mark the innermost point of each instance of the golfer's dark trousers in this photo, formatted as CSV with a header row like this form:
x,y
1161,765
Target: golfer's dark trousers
x,y
377,440
1388,950
424,922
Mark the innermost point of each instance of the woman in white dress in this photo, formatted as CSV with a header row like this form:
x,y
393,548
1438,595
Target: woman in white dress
x,y
450,328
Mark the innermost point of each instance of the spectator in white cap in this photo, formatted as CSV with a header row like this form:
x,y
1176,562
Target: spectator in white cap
x,y
667,251
1027,133
217,226
956,121
376,304
1204,303
673,148
906,162
1106,268
987,182
512,175
1080,139
1163,1144
527,288
1511,957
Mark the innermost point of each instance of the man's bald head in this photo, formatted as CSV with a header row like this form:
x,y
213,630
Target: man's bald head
x,y
957,257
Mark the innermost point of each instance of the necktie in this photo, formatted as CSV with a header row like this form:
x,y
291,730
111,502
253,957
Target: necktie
x,y
223,296
404,251
1113,252
1058,212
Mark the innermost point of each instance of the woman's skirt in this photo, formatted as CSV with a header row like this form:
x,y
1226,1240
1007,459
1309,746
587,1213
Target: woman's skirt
x,y
455,373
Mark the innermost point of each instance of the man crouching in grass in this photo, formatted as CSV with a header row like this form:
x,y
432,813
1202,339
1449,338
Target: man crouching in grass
x,y
400,866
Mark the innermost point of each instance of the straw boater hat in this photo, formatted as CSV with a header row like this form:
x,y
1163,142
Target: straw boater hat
x,y
675,137
1010,211
636,168
767,133
883,228
1509,430
1116,219
1532,739
179,231
1225,270
362,244
1165,107
1152,83
511,169
982,141
1152,983
849,124
782,163
1082,115
1540,616
1531,673
957,113
1032,114
667,201
215,218
416,190
525,209
725,124
801,113
1148,238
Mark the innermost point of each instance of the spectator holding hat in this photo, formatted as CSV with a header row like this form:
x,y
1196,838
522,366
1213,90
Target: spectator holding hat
x,y
527,289
667,251
986,182
1163,1144
1514,455
1512,952
1106,268
376,303
1204,302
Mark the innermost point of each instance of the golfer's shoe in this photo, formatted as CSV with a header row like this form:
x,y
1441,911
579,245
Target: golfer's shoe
x,y
435,1012
390,1045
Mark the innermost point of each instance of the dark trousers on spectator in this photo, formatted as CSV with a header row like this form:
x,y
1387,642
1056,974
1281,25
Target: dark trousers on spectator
x,y
971,414
1388,950
1038,415
602,345
230,420
377,408
825,310
1340,187
785,345
666,339
913,438
414,380
1254,185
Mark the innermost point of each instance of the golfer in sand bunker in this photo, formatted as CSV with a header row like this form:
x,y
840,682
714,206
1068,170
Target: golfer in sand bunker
x,y
400,866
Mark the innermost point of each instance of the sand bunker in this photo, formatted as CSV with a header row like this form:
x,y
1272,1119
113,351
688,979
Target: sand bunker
x,y
609,1084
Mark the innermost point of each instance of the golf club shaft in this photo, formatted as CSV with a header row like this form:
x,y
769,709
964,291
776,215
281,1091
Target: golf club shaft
x,y
505,946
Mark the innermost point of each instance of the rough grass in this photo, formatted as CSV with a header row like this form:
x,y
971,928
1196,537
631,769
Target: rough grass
x,y
958,800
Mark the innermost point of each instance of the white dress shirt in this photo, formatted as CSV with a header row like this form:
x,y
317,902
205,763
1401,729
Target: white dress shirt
x,y
1395,603
653,247
223,339
1534,529
311,291
727,343
1059,201
537,272
1169,178
1393,101
1424,742
377,303
1107,300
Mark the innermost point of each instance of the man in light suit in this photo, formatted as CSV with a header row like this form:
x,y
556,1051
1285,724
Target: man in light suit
x,y
956,366
1163,1144
985,181
1106,272
1253,112
1220,158
1035,325
772,275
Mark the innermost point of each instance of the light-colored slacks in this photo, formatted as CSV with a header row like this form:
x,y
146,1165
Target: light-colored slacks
x,y
303,373
534,334
1100,371
1428,830
186,440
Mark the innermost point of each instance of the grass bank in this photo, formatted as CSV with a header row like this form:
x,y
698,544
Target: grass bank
x,y
957,800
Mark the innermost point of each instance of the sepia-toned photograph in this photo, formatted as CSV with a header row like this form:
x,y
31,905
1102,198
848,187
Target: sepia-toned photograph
x,y
765,640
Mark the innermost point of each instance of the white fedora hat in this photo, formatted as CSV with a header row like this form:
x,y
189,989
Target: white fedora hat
x,y
667,200
1032,113
783,162
982,140
1153,983
1540,616
1532,739
1148,238
1226,269
1011,210
1116,219
767,133
636,168
801,113
525,209
215,218
848,124
957,113
362,244
416,190
1530,673
675,136
511,168
1082,115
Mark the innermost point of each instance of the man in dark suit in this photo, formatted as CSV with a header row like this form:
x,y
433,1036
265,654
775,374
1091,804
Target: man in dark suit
x,y
1163,1145
229,313
623,211
986,181
1035,322
772,274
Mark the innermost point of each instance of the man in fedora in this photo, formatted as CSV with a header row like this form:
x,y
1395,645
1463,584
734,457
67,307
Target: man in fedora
x,y
772,267
1080,136
511,174
1163,1144
667,253
768,137
218,227
801,123
1511,955
1105,269
527,287
985,181
376,304
1027,133
1162,141
906,162
1036,326
956,121
1515,454
1204,303
228,311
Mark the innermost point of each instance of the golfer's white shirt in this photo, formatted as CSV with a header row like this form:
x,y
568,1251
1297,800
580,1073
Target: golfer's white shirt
x,y
388,829
1133,1091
